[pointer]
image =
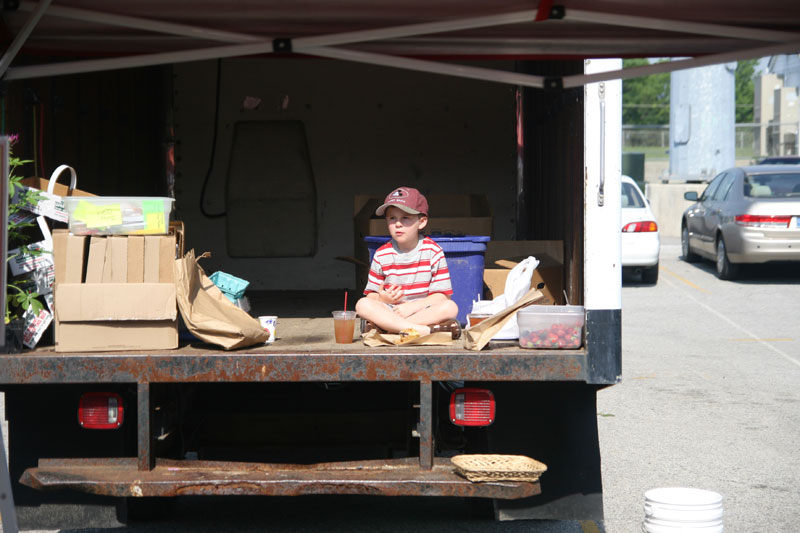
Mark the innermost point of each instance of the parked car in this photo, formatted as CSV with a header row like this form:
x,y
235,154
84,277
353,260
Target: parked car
x,y
745,215
781,160
640,241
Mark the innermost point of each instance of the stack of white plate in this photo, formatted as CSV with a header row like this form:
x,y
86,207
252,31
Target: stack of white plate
x,y
673,509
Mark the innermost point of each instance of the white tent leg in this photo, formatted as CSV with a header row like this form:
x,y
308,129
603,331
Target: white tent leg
x,y
670,66
22,36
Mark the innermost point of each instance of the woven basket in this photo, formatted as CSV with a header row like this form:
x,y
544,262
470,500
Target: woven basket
x,y
498,467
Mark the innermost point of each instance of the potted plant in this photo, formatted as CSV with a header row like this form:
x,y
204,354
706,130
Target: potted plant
x,y
21,295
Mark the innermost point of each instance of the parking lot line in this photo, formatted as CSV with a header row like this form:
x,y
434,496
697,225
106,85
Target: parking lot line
x,y
786,339
755,338
681,278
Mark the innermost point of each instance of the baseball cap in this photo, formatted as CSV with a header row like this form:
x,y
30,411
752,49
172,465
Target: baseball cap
x,y
408,199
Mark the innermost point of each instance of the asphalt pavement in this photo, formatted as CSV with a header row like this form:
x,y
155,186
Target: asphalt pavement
x,y
709,396
708,399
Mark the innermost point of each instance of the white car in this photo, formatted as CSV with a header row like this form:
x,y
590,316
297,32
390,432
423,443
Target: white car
x,y
640,240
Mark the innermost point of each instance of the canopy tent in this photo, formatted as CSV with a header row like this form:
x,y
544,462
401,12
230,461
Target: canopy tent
x,y
412,34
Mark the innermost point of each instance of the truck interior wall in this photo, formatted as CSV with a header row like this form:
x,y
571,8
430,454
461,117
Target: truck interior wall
x,y
553,168
109,126
368,130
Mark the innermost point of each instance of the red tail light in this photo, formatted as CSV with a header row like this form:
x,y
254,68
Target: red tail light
x,y
761,221
100,410
637,227
472,407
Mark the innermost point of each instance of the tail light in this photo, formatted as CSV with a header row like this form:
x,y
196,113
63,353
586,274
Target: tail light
x,y
763,221
100,410
638,227
472,407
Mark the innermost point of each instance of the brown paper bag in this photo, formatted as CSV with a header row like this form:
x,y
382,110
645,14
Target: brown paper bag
x,y
374,338
208,314
479,336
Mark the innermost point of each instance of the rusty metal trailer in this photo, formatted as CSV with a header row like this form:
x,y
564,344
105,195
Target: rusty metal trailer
x,y
504,99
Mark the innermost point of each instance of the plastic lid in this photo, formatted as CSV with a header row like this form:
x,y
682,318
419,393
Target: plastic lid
x,y
683,496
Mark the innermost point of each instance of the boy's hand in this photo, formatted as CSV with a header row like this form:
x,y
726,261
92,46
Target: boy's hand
x,y
390,294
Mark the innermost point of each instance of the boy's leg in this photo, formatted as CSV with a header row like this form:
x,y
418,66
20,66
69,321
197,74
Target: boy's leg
x,y
382,316
436,313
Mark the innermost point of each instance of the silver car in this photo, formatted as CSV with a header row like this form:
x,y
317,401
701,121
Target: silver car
x,y
745,215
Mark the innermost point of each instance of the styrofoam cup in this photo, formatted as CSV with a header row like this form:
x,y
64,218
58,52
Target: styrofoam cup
x,y
269,323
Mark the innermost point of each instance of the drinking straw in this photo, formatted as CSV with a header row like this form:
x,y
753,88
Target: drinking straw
x,y
345,300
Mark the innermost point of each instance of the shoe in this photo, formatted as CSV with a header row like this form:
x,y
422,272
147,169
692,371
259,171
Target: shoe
x,y
451,326
367,326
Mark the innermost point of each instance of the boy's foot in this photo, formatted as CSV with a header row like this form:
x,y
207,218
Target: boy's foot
x,y
451,326
367,326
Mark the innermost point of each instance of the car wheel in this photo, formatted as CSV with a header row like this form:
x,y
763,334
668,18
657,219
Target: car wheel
x,y
686,250
725,269
650,274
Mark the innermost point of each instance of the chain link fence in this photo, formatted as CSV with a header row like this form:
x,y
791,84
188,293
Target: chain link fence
x,y
753,141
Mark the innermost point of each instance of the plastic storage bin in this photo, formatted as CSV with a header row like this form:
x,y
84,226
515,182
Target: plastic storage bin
x,y
551,326
231,286
465,256
118,215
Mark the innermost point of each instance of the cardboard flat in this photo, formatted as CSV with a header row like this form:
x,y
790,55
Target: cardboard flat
x,y
97,260
135,259
50,204
119,259
151,264
115,301
547,278
76,246
59,189
111,336
166,259
60,253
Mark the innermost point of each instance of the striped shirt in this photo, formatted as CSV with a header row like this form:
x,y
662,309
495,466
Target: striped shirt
x,y
420,272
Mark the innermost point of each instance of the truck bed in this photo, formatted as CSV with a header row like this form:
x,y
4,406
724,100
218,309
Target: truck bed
x,y
304,350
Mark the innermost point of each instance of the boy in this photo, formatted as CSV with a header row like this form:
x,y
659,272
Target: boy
x,y
408,289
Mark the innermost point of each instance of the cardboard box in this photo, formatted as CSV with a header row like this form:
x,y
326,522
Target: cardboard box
x,y
111,313
502,256
451,214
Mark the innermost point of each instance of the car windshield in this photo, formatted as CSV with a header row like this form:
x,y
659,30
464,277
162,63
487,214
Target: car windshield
x,y
778,185
631,196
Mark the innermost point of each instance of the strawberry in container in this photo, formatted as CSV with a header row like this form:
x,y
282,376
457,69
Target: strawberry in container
x,y
551,326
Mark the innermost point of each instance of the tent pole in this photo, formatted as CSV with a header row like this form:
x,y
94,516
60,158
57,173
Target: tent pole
x,y
22,36
476,73
679,26
671,66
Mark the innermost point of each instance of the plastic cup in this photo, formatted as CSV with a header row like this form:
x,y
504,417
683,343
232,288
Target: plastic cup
x,y
269,323
476,318
344,323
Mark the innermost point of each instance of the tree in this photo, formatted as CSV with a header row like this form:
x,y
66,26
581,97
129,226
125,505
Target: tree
x,y
744,90
645,100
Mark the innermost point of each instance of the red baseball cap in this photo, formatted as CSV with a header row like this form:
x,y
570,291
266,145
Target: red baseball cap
x,y
408,199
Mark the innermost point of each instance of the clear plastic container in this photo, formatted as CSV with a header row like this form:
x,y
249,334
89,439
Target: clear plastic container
x,y
118,215
551,326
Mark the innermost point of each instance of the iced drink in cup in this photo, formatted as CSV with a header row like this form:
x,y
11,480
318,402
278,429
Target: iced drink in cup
x,y
344,323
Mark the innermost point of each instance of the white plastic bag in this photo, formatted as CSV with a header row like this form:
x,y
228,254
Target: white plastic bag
x,y
518,284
